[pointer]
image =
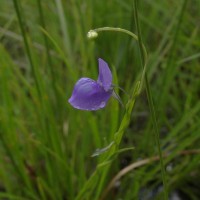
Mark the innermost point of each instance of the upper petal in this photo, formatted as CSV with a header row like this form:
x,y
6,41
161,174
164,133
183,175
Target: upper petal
x,y
105,75
89,95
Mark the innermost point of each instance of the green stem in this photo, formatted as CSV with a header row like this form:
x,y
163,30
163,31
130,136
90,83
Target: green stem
x,y
143,53
151,104
64,27
135,37
113,29
28,51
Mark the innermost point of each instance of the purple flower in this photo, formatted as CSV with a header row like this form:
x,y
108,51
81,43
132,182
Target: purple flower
x,y
93,95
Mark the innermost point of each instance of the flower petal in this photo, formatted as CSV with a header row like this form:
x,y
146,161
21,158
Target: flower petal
x,y
105,75
89,95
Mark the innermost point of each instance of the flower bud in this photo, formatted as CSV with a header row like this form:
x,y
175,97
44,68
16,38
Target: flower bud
x,y
92,34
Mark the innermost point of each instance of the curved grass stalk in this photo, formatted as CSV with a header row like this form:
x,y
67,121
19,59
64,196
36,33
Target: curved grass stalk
x,y
100,173
151,104
144,78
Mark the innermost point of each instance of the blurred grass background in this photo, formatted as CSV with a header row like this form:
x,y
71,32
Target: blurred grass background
x,y
46,145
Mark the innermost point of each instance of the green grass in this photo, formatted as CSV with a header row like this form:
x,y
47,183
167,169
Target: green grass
x,y
46,146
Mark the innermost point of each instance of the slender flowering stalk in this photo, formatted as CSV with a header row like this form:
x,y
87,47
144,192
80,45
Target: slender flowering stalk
x,y
143,79
151,105
94,33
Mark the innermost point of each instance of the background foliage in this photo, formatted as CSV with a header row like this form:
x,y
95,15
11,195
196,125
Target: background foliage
x,y
46,145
